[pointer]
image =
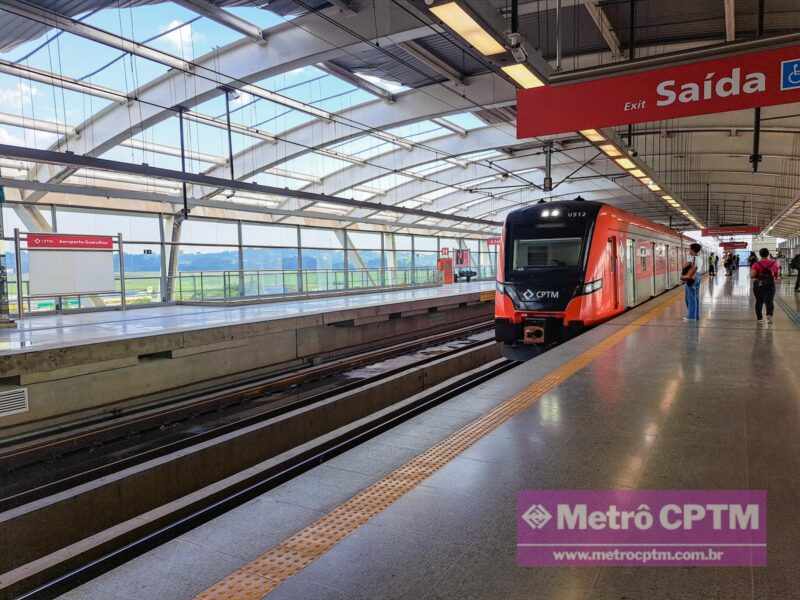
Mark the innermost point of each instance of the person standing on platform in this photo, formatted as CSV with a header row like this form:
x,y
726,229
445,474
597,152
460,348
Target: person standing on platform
x,y
728,264
690,275
795,264
752,259
712,264
764,273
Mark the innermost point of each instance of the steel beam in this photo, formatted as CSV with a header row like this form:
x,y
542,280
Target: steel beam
x,y
674,58
35,124
107,192
432,61
62,81
223,17
605,27
75,161
730,20
306,40
355,80
441,122
424,103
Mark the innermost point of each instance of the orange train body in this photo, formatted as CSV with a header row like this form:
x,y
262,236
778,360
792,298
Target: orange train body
x,y
565,266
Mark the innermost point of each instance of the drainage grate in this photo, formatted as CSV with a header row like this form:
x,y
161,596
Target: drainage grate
x,y
13,400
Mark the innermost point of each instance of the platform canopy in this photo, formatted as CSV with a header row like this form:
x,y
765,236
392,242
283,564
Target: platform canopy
x,y
371,115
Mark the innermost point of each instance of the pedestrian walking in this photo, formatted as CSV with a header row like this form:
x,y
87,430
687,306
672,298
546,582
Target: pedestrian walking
x,y
764,273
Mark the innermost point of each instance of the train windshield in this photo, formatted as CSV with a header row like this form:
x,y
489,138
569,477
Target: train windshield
x,y
546,253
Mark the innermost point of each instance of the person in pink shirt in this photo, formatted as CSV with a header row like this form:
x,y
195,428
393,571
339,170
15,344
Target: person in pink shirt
x,y
764,273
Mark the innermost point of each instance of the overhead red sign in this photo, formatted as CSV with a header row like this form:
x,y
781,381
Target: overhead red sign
x,y
759,78
733,245
60,241
493,241
733,230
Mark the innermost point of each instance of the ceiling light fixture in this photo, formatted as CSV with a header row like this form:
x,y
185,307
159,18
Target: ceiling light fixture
x,y
460,21
626,163
610,150
592,135
522,74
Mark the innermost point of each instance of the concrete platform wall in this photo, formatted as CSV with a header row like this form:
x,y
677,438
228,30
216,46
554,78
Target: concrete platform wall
x,y
66,384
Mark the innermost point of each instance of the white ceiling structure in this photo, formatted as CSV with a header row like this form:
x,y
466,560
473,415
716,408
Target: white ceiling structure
x,y
364,113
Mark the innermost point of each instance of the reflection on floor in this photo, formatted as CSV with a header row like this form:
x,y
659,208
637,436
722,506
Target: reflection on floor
x,y
672,406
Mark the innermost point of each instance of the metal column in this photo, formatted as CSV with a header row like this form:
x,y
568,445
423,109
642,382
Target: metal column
x,y
241,259
18,257
5,314
121,251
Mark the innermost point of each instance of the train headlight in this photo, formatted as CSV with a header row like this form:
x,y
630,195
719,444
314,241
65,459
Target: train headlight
x,y
592,286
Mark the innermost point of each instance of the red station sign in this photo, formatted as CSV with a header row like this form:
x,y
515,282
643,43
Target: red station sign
x,y
733,245
60,241
741,81
493,241
733,230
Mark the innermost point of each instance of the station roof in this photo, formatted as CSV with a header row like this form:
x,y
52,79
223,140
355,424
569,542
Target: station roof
x,y
375,103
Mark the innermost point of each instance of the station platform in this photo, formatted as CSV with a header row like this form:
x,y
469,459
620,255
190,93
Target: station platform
x,y
428,509
79,364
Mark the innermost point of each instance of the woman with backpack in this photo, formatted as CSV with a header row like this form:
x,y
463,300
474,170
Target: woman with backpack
x,y
795,264
764,273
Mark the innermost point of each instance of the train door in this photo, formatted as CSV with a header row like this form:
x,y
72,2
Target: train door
x,y
661,268
630,272
675,266
612,254
653,264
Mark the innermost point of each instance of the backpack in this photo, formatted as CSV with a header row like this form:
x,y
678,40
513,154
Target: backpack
x,y
765,277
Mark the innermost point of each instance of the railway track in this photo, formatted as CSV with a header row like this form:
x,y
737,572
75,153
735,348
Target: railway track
x,y
86,451
208,453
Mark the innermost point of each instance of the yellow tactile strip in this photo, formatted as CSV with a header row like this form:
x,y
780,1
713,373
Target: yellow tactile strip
x,y
259,577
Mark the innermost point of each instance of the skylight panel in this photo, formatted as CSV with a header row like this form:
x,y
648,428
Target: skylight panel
x,y
393,87
257,16
410,204
387,182
419,130
356,194
481,155
465,120
329,208
365,146
435,194
280,181
314,164
430,168
386,216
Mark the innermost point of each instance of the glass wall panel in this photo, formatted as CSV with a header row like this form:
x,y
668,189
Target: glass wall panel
x,y
132,226
12,220
204,231
142,273
269,235
207,258
425,243
320,238
364,240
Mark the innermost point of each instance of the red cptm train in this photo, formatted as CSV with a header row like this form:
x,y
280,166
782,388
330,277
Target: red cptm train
x,y
565,266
